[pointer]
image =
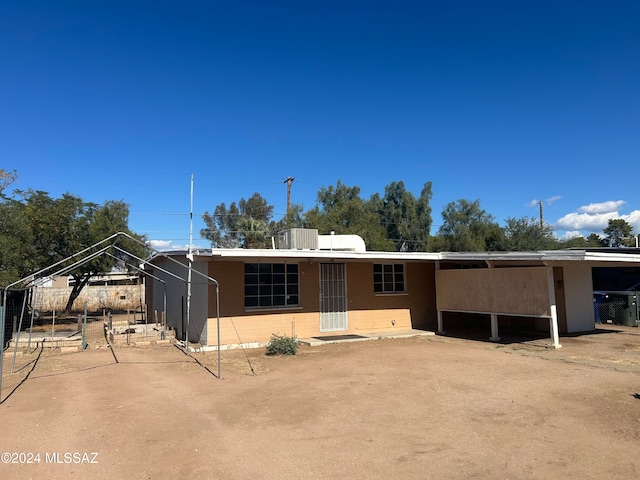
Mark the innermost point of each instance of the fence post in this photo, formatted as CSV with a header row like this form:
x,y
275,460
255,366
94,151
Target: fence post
x,y
112,339
84,328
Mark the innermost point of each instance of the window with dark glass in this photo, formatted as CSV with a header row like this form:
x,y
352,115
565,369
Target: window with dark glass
x,y
388,277
271,285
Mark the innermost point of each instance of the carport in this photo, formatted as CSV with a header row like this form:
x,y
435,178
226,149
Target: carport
x,y
552,288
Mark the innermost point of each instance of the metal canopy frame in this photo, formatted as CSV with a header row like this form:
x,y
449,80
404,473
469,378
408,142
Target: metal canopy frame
x,y
86,255
144,272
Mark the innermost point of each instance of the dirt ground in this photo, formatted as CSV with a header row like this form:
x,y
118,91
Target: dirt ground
x,y
413,408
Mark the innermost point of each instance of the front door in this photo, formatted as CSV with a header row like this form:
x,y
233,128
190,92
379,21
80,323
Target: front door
x,y
333,297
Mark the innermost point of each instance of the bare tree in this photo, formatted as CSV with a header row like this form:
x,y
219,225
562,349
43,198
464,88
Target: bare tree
x,y
6,179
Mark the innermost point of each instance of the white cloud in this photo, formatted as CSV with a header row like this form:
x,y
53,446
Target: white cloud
x,y
553,199
535,202
595,217
634,220
586,221
602,207
167,245
161,244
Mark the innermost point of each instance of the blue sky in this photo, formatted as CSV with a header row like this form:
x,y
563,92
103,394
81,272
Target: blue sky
x,y
507,102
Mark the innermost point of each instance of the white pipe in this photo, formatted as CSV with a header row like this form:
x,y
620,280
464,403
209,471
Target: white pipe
x,y
17,339
190,261
33,311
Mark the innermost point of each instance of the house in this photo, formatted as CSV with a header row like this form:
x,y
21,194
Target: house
x,y
322,285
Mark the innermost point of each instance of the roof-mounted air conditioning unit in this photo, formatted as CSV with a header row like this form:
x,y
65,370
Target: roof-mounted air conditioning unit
x,y
298,239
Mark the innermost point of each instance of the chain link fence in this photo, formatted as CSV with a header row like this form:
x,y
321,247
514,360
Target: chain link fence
x,y
36,315
619,308
57,330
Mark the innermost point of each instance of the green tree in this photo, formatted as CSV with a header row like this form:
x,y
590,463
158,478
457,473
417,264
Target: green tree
x,y
253,232
425,220
100,222
526,234
437,244
223,226
342,210
594,240
574,242
42,231
468,228
61,225
407,220
17,250
618,233
256,207
294,218
227,228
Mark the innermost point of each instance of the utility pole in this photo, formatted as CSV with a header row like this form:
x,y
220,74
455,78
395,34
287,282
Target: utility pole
x,y
288,181
541,221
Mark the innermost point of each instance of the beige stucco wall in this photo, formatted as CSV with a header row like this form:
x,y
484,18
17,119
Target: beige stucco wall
x,y
110,297
578,288
367,312
240,325
371,312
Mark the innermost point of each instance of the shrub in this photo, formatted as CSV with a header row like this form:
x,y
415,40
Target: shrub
x,y
282,345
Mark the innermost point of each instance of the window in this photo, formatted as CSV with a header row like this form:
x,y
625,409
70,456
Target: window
x,y
388,277
271,285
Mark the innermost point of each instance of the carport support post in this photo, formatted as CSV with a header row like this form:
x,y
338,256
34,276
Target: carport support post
x,y
494,328
553,320
438,311
494,317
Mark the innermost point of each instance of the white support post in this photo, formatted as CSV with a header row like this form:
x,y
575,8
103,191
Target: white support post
x,y
553,321
494,328
438,311
494,317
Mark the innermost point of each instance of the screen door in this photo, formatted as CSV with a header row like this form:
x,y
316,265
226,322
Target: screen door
x,y
333,297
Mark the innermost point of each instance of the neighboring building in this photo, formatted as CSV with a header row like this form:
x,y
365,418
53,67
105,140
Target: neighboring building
x,y
336,287
115,291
